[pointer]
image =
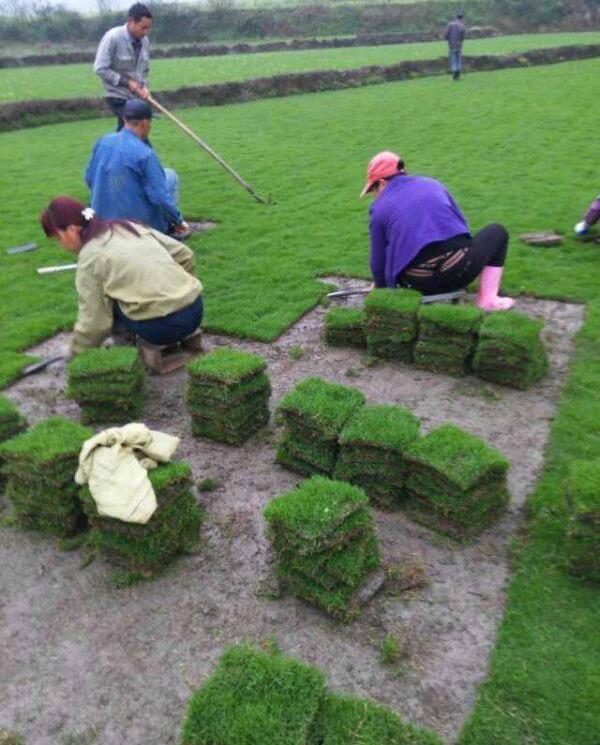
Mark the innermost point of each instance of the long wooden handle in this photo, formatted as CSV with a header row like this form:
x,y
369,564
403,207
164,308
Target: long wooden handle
x,y
207,148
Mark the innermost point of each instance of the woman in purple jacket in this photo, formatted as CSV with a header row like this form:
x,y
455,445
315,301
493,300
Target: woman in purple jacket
x,y
421,240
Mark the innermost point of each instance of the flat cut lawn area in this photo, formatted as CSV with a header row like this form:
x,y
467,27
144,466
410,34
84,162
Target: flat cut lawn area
x,y
514,146
69,81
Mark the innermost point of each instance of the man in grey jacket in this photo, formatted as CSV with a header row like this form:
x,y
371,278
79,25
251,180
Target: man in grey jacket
x,y
123,60
455,35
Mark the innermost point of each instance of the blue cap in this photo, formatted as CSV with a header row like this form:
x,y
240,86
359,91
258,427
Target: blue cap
x,y
137,109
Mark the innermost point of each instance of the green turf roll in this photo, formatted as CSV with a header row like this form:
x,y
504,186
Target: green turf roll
x,y
456,481
345,720
40,466
173,528
254,697
344,327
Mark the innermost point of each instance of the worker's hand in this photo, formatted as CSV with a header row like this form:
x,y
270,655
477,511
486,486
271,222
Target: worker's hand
x,y
143,92
137,88
581,228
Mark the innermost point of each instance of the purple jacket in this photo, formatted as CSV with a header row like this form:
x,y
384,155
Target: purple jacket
x,y
410,213
593,214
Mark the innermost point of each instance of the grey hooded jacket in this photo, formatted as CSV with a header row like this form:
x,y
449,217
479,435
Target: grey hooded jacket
x,y
116,62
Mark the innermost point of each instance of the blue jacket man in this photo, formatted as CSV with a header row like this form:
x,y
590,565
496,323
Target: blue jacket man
x,y
127,180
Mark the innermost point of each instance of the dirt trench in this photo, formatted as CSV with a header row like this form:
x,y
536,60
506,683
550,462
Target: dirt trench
x,y
86,663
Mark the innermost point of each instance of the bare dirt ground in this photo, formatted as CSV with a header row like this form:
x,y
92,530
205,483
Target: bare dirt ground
x,y
83,662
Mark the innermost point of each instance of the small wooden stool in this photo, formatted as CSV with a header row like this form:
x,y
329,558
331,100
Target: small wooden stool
x,y
164,358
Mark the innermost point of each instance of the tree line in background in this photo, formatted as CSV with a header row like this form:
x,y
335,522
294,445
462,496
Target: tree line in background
x,y
31,21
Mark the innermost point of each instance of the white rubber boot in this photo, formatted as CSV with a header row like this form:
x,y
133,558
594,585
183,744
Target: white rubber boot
x,y
487,294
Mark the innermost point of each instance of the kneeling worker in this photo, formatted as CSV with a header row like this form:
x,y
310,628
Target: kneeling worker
x,y
127,181
125,272
420,239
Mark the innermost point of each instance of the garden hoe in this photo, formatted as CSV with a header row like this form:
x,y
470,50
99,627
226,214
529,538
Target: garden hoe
x,y
208,149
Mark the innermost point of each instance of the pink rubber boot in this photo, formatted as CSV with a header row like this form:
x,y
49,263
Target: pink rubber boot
x,y
489,284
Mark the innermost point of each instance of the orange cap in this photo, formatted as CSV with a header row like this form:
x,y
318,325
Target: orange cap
x,y
381,166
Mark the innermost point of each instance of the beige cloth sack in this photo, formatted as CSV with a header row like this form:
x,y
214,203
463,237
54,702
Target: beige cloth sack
x,y
115,462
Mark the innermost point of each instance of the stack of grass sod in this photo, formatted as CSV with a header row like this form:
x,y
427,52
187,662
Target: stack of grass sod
x,y
510,350
372,445
456,483
323,538
447,337
314,414
345,720
344,327
11,423
583,531
173,529
391,323
254,696
228,395
107,384
40,467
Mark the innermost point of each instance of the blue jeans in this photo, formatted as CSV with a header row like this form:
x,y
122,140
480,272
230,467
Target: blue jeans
x,y
168,329
455,60
172,185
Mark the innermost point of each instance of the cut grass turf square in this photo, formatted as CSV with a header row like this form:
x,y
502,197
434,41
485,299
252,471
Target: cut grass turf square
x,y
228,395
456,483
254,697
11,420
322,534
107,384
345,720
583,527
40,468
510,350
391,323
447,337
371,452
173,528
314,413
344,327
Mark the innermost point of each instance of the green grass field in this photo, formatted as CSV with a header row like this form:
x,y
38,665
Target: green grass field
x,y
68,81
514,146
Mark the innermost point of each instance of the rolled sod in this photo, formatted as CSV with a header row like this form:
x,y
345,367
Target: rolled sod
x,y
228,395
456,483
107,383
344,327
173,528
254,697
583,526
314,414
447,337
345,720
40,466
372,446
323,538
391,323
510,350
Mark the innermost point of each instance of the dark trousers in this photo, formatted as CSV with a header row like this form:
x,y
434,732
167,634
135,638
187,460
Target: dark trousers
x,y
116,105
459,267
168,329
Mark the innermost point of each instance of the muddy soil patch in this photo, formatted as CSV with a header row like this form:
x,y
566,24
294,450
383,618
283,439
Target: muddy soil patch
x,y
81,657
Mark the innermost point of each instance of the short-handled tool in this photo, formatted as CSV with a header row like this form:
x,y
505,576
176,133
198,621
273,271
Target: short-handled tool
x,y
184,128
39,366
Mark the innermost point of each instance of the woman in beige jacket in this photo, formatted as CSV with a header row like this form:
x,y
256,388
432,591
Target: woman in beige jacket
x,y
126,272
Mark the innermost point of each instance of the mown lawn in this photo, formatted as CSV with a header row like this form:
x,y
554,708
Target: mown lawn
x,y
513,146
68,81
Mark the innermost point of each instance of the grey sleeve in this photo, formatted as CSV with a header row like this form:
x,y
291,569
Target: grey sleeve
x,y
104,60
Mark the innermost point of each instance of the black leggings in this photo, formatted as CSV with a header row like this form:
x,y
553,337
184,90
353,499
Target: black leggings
x,y
457,266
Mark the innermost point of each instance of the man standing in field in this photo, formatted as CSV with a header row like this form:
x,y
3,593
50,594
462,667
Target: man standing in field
x,y
123,60
455,35
127,180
